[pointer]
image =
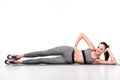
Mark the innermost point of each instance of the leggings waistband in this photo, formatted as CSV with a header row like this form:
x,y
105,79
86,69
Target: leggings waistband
x,y
83,53
73,57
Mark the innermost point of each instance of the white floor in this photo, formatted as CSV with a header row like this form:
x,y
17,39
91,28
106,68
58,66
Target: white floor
x,y
59,72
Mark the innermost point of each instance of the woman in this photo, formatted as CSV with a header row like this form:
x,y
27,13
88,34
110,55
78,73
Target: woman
x,y
68,55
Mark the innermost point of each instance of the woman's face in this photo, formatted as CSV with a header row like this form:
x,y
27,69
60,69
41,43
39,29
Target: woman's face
x,y
100,49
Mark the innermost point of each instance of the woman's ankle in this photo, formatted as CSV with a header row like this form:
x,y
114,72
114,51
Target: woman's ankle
x,y
20,56
18,62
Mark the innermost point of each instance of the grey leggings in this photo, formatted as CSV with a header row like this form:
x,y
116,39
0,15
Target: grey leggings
x,y
65,56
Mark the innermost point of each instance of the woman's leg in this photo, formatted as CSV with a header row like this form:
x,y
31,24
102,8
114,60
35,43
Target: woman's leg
x,y
54,60
53,51
66,57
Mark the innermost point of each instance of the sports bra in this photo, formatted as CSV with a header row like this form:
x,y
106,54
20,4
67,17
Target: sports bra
x,y
87,56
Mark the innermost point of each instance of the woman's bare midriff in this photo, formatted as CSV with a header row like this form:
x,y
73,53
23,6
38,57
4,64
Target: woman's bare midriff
x,y
78,57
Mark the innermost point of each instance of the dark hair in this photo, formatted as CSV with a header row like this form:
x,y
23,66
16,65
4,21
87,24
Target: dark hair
x,y
106,54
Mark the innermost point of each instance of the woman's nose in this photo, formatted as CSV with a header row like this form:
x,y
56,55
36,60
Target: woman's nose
x,y
98,49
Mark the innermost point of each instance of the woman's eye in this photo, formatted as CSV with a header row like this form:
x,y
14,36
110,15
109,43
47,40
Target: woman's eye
x,y
101,49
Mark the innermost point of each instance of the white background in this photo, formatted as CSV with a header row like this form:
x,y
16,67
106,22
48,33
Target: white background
x,y
30,25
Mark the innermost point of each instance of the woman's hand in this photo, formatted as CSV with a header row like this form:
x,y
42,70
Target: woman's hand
x,y
76,50
108,49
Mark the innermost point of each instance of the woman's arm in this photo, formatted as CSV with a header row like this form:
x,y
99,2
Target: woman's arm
x,y
111,61
85,38
112,58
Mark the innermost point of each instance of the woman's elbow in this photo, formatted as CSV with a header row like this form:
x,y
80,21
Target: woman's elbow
x,y
81,34
114,63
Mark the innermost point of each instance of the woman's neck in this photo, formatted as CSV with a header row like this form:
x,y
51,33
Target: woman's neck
x,y
95,55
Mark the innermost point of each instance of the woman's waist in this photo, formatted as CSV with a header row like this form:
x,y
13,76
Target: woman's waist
x,y
78,57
